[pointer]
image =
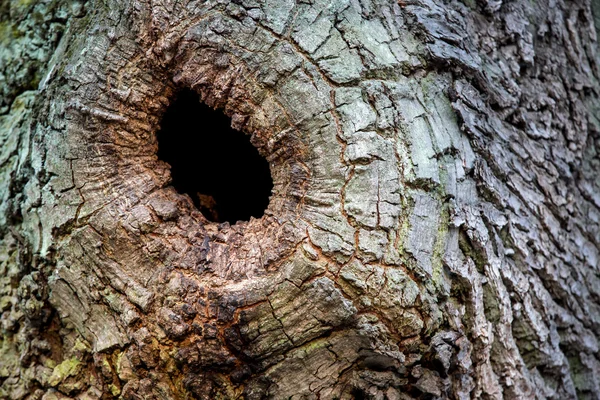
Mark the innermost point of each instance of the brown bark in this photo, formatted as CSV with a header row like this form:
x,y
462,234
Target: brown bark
x,y
433,231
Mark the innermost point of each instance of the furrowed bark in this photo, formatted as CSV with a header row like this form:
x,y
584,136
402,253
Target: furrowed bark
x,y
433,231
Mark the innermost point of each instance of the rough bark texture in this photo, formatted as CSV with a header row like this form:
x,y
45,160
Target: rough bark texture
x,y
434,229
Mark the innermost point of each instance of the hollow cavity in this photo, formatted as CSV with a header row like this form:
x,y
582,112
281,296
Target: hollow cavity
x,y
216,165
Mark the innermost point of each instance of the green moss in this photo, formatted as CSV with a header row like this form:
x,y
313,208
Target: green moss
x,y
70,367
315,345
81,345
7,32
22,3
115,390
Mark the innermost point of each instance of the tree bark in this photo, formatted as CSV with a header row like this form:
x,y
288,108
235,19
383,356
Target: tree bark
x,y
433,231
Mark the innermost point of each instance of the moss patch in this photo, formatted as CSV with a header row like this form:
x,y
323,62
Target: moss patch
x,y
69,367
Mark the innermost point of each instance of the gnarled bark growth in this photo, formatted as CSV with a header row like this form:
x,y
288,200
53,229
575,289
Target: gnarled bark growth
x,y
433,229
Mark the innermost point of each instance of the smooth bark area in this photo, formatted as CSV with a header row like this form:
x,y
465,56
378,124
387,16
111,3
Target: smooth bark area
x,y
433,230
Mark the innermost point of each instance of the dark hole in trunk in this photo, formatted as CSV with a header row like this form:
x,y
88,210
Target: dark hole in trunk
x,y
214,164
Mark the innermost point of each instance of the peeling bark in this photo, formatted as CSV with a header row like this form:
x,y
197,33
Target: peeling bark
x,y
433,231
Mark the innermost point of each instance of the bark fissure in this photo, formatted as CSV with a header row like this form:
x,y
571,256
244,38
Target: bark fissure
x,y
433,230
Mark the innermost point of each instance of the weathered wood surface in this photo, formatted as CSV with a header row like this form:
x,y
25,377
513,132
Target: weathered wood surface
x,y
433,232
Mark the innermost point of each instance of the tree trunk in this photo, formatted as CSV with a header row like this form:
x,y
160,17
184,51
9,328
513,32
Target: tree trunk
x,y
433,230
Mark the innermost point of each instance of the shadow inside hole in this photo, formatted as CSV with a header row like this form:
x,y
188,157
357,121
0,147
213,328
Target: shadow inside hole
x,y
214,164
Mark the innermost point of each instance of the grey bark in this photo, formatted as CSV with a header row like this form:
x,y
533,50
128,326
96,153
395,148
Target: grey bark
x,y
433,232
